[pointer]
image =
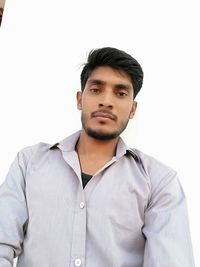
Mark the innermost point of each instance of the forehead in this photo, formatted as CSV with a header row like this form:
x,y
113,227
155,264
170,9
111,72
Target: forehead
x,y
108,74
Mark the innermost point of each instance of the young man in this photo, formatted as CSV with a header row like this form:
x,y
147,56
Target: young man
x,y
90,200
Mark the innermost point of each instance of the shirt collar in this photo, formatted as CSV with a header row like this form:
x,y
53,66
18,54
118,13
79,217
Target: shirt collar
x,y
68,144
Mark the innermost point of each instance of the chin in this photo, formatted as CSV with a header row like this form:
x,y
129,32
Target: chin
x,y
102,135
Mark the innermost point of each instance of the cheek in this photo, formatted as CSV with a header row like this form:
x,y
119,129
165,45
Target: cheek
x,y
125,113
86,111
88,106
85,114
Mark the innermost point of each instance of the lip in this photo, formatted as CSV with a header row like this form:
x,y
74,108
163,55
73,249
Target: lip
x,y
103,115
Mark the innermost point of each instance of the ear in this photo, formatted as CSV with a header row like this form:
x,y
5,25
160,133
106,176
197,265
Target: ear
x,y
79,100
133,109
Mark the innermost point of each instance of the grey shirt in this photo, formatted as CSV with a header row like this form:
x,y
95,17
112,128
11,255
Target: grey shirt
x,y
132,213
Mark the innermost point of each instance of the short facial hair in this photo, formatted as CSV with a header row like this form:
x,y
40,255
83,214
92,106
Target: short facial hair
x,y
98,135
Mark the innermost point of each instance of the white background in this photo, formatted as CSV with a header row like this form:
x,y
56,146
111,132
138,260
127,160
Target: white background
x,y
43,44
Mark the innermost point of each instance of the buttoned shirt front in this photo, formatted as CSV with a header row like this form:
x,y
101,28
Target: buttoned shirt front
x,y
132,213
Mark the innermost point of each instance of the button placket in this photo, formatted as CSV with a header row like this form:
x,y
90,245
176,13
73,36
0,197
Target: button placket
x,y
77,262
79,232
82,205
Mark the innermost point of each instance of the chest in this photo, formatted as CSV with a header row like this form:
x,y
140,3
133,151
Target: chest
x,y
119,187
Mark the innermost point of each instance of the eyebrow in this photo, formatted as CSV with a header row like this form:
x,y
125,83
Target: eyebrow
x,y
123,86
118,86
96,82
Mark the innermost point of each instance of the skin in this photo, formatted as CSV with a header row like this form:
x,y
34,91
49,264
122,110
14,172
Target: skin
x,y
107,105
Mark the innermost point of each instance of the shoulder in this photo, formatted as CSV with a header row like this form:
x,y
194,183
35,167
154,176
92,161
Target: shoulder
x,y
36,151
157,172
164,180
151,164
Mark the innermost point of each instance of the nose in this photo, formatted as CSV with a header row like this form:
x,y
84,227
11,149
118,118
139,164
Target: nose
x,y
106,100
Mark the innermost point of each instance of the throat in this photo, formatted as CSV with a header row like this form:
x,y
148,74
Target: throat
x,y
93,154
91,166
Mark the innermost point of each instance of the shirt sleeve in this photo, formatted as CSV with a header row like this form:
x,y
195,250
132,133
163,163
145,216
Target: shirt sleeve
x,y
13,212
166,228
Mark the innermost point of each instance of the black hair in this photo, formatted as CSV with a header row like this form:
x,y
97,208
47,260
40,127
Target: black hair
x,y
116,59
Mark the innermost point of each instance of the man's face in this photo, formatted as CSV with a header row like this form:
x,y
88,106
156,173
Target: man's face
x,y
106,103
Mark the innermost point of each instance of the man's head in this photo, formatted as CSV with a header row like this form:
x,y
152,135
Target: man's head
x,y
116,59
110,80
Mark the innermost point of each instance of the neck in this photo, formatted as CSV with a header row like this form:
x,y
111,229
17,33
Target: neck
x,y
92,147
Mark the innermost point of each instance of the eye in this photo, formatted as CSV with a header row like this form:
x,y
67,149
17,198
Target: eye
x,y
122,94
94,90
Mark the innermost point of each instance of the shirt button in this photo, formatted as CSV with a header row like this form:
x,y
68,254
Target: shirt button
x,y
82,205
77,262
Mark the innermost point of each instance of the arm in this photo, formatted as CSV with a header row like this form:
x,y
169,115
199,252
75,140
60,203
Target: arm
x,y
166,228
13,212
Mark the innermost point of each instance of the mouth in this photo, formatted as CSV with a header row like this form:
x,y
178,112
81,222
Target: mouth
x,y
104,115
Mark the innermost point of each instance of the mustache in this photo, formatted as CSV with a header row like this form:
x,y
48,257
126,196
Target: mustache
x,y
105,112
